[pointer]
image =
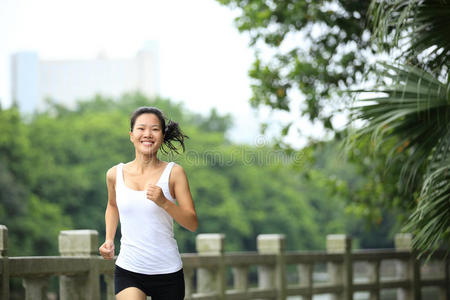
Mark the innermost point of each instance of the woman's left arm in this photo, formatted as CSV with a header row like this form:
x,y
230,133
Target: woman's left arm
x,y
184,213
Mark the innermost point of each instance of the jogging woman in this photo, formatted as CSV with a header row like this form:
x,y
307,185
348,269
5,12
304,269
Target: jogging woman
x,y
143,192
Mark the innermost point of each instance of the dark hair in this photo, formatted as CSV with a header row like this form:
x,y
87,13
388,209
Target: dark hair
x,y
172,131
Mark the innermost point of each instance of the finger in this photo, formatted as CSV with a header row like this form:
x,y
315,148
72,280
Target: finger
x,y
152,186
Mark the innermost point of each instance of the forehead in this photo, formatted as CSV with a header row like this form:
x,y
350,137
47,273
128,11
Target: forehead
x,y
147,119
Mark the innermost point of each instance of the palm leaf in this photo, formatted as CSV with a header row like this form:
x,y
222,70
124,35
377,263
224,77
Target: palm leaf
x,y
414,109
416,26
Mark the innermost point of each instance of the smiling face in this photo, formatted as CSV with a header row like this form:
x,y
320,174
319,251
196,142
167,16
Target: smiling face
x,y
147,135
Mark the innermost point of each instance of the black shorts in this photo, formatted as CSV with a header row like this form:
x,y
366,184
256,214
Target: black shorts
x,y
159,286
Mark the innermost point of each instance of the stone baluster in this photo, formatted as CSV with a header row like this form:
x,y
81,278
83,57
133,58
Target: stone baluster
x,y
305,273
4,268
36,287
80,286
403,242
273,276
374,278
240,278
341,273
212,279
444,291
188,277
109,280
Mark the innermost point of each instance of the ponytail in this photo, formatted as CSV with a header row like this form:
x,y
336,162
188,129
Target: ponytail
x,y
173,133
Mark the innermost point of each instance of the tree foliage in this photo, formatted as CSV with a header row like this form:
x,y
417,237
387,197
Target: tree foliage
x,y
320,48
315,47
52,177
414,110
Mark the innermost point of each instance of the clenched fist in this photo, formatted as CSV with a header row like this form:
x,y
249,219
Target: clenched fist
x,y
107,249
155,194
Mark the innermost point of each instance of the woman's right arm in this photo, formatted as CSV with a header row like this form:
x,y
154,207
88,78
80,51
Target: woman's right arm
x,y
111,216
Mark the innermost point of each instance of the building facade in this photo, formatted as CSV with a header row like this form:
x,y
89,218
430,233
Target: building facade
x,y
66,81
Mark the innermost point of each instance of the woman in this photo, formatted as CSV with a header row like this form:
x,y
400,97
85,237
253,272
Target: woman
x,y
143,193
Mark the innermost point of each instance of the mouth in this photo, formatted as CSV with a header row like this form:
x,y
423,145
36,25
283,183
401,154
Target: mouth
x,y
147,143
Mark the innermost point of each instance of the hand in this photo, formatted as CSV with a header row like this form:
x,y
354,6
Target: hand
x,y
107,249
155,194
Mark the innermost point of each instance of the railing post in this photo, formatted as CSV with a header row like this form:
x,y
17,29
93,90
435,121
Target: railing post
x,y
212,279
85,286
268,276
341,273
4,275
446,290
240,278
109,280
35,287
403,242
374,278
188,275
305,272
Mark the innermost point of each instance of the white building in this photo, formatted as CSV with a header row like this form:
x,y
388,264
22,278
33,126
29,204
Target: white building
x,y
66,81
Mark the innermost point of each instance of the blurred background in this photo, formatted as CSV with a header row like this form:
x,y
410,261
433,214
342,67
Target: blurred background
x,y
269,93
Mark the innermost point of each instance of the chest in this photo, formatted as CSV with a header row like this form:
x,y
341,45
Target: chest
x,y
140,182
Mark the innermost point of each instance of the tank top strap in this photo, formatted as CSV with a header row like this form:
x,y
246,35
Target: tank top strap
x,y
166,173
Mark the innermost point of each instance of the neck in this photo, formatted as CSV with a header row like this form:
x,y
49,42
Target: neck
x,y
143,162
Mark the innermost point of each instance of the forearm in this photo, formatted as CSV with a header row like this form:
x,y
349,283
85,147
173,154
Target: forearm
x,y
111,221
185,218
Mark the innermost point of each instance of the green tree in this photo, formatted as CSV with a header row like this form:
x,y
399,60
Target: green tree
x,y
320,48
315,47
414,110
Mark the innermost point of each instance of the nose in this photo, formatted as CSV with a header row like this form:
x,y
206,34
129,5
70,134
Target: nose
x,y
147,133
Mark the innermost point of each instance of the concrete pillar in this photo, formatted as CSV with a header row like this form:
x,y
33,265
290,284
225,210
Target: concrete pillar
x,y
36,287
273,276
188,275
374,277
4,276
212,279
240,278
305,273
341,274
411,268
109,280
82,286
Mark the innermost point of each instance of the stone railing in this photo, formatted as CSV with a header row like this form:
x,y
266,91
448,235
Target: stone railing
x,y
343,272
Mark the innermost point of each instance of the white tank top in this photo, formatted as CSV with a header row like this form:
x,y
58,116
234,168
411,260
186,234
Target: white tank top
x,y
147,245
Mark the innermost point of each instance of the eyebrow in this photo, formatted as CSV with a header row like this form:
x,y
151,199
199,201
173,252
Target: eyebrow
x,y
151,125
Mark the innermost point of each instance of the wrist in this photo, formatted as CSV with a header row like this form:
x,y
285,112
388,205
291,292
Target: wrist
x,y
166,204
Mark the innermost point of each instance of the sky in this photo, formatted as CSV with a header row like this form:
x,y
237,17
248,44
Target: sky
x,y
204,60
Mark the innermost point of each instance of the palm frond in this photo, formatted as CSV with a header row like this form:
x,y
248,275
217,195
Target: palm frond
x,y
421,25
430,222
414,109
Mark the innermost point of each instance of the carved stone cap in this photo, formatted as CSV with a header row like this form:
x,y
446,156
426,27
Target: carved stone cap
x,y
3,240
271,243
210,243
338,243
78,242
403,241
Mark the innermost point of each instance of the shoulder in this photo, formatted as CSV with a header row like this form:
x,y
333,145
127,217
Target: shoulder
x,y
111,174
178,171
177,168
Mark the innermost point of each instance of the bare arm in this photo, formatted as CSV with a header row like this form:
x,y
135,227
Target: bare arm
x,y
111,216
184,213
